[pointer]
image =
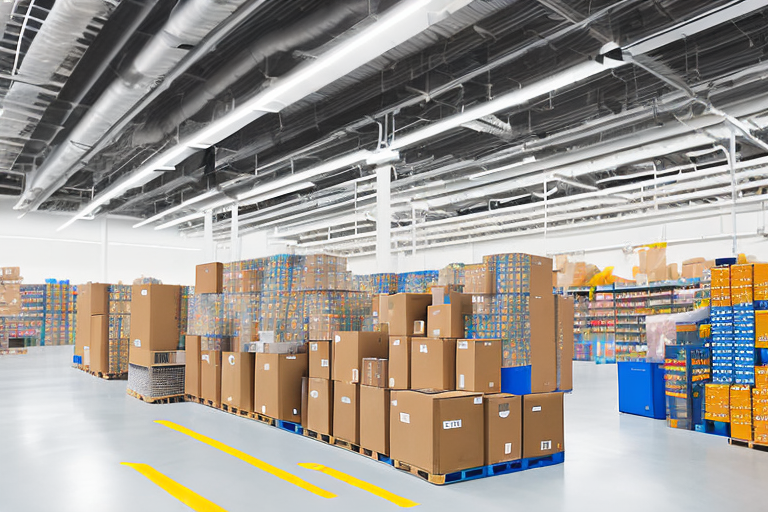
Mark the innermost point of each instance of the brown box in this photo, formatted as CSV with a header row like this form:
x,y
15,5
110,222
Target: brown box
x,y
447,320
192,370
503,428
237,380
99,344
92,299
478,365
155,317
404,309
319,406
210,375
374,419
565,313
320,359
380,305
693,268
543,431
433,363
277,385
209,278
346,412
399,362
10,274
438,432
479,279
349,350
374,372
543,346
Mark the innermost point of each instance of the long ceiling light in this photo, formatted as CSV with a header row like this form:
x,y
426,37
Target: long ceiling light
x,y
176,208
304,185
526,160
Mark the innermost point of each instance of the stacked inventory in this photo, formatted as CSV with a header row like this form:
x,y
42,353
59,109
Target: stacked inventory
x,y
760,405
743,325
119,328
686,372
59,306
722,326
602,325
91,342
417,282
26,327
582,343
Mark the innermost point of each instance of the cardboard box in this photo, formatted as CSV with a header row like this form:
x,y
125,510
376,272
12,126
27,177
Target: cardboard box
x,y
503,428
237,380
404,309
543,346
478,365
320,359
147,358
433,363
479,279
349,350
209,278
380,307
564,311
693,268
319,406
155,317
10,274
92,299
447,320
210,376
277,385
374,419
375,372
438,432
346,412
399,362
543,432
192,370
672,273
99,345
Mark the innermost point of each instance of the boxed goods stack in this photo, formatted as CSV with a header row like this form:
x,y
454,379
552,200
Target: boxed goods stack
x,y
760,405
417,282
743,324
722,326
91,348
27,328
741,412
119,328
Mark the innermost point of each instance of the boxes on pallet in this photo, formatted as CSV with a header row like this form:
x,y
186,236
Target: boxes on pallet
x,y
403,309
433,363
503,428
543,431
209,278
374,418
237,380
320,359
319,406
438,432
92,299
564,313
210,375
399,362
154,318
741,412
717,402
760,413
99,344
192,370
478,365
346,412
349,350
277,385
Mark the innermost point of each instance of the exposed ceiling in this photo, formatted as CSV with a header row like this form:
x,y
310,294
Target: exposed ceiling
x,y
498,117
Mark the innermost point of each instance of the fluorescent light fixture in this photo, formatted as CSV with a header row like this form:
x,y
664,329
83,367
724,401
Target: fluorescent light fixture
x,y
382,157
176,208
276,193
199,145
180,220
526,160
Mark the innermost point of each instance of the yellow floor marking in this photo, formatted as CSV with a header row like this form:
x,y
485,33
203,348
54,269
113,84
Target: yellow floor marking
x,y
288,477
175,489
378,491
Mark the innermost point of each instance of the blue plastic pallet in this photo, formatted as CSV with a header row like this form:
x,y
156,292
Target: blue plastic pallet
x,y
289,426
718,428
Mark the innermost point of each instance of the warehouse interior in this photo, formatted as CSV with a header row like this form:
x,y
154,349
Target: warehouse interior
x,y
575,186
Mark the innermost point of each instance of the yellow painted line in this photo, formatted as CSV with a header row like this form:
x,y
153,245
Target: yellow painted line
x,y
279,473
378,491
175,489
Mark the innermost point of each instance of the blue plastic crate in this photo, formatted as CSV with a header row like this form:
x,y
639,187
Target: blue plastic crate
x,y
641,389
516,380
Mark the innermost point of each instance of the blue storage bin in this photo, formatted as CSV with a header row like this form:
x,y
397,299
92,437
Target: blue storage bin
x,y
641,389
516,381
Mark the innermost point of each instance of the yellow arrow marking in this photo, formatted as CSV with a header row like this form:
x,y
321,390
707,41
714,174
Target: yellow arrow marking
x,y
175,489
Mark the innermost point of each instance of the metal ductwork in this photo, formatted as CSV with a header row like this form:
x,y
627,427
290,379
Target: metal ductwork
x,y
188,24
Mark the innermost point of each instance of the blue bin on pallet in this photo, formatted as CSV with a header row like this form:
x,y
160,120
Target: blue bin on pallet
x,y
516,381
641,389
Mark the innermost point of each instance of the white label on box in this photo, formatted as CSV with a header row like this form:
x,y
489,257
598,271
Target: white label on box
x,y
144,292
263,409
324,363
463,345
461,381
205,358
490,384
546,445
314,393
337,339
295,412
394,403
396,343
507,448
447,425
391,382
478,400
536,408
405,417
355,375
290,357
346,400
487,344
313,347
503,414
435,332
266,366
232,360
423,349
136,343
229,399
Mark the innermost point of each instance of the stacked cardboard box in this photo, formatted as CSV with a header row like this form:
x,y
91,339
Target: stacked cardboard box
x,y
91,342
741,412
722,326
760,405
119,328
717,402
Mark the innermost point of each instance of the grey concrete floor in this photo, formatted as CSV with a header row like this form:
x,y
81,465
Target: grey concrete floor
x,y
63,435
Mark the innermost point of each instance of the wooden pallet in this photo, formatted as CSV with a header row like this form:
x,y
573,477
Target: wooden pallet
x,y
346,445
12,351
262,418
748,444
235,411
317,436
192,398
110,376
210,403
156,399
378,457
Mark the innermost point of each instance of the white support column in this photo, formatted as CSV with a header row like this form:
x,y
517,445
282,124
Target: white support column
x,y
383,219
209,249
104,250
234,236
732,163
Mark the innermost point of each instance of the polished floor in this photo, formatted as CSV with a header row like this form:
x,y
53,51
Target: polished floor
x,y
64,435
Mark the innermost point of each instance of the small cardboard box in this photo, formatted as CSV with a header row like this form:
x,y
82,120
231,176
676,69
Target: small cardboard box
x,y
374,419
192,370
433,363
155,317
399,362
503,428
277,385
438,432
319,406
447,320
543,432
209,278
349,350
404,309
99,344
237,380
478,365
210,375
374,372
346,412
320,359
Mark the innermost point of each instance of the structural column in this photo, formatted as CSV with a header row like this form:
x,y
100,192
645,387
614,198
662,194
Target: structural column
x,y
732,164
104,250
208,236
234,240
383,219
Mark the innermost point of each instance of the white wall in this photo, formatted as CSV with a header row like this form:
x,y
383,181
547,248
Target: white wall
x,y
33,244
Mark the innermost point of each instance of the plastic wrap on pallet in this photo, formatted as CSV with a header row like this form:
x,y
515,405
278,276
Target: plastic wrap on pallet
x,y
156,381
661,330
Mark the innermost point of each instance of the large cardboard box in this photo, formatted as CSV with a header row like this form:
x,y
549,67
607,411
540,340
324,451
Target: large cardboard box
x,y
438,432
346,412
478,365
404,309
565,313
192,370
543,346
99,345
210,376
503,428
543,431
433,363
319,406
447,320
349,350
92,299
374,419
320,359
380,307
237,380
399,362
155,317
209,278
10,274
277,385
